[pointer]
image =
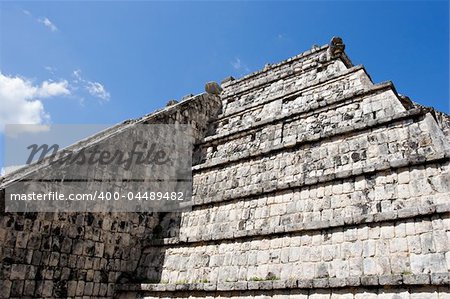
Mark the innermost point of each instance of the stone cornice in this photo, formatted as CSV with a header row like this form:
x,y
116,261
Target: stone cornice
x,y
357,128
351,98
327,80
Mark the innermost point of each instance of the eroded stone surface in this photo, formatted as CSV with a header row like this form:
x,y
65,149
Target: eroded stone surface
x,y
309,181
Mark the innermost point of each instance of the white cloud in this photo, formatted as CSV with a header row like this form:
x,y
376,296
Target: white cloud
x,y
77,74
95,89
236,64
14,130
47,23
50,89
50,69
21,100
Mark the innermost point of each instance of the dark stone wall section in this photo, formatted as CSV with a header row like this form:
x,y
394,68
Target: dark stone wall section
x,y
84,255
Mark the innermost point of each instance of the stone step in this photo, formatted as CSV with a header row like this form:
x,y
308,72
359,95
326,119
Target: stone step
x,y
353,77
284,132
417,210
398,281
329,159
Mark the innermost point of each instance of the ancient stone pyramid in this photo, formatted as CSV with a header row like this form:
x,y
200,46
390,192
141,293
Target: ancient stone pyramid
x,y
310,181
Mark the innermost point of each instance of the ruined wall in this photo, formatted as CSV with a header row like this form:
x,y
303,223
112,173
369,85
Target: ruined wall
x,y
68,255
309,182
316,184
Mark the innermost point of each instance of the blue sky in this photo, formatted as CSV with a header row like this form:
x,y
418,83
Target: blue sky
x,y
107,61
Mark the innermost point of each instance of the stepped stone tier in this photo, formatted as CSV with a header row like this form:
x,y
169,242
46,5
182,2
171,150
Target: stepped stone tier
x,y
309,181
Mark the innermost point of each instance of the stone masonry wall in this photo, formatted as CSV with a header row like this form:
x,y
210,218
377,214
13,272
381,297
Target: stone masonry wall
x,y
310,181
399,247
387,145
84,255
315,183
280,125
385,192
